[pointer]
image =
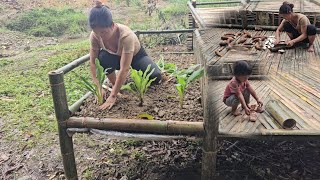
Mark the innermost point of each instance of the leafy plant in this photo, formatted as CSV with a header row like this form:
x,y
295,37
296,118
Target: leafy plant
x,y
184,78
166,67
97,91
141,82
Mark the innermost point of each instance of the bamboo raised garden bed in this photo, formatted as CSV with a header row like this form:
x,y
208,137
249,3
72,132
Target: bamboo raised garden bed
x,y
291,78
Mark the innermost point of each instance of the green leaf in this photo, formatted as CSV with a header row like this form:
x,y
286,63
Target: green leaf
x,y
100,72
182,80
127,87
170,68
145,116
195,75
141,82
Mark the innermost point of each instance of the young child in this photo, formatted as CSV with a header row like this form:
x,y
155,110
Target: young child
x,y
238,89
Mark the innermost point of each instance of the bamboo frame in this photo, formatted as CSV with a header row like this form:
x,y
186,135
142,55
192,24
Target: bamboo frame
x,y
62,115
137,125
195,15
210,127
69,67
243,12
139,136
76,106
138,32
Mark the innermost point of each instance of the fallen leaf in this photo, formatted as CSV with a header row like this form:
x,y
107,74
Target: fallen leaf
x,y
3,158
145,116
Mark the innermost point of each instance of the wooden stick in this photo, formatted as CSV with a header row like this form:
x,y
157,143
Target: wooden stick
x,y
137,125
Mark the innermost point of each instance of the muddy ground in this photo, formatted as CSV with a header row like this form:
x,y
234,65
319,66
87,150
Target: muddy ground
x,y
98,157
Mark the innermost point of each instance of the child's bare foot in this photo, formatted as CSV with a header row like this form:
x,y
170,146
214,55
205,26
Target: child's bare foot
x,y
311,49
237,113
253,117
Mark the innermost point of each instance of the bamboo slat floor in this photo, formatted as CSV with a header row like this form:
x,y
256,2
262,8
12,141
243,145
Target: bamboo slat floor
x,y
257,12
292,78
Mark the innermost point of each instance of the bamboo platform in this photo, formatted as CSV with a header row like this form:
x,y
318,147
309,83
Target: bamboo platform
x,y
292,78
254,13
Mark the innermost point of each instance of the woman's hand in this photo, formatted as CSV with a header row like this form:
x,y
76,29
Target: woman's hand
x,y
277,41
290,43
109,103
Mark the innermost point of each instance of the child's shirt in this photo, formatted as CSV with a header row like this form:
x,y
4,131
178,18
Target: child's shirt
x,y
235,87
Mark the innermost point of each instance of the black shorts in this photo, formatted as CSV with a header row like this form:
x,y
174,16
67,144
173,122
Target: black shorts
x,y
311,30
140,61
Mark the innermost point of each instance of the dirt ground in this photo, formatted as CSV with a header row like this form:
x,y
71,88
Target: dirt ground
x,y
98,157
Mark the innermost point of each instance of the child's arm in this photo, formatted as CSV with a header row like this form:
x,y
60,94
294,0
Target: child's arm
x,y
254,94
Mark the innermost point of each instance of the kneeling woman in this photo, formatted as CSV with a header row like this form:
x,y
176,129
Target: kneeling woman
x,y
297,26
117,47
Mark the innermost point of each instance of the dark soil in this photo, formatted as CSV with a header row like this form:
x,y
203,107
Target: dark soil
x,y
161,101
181,160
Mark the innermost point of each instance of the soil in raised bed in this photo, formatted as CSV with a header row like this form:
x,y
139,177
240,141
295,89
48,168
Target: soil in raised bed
x,y
161,101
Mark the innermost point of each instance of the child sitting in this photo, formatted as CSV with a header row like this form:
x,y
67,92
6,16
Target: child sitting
x,y
238,89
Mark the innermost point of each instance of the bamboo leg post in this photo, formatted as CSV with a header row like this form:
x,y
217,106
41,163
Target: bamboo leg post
x,y
244,19
62,115
192,26
211,125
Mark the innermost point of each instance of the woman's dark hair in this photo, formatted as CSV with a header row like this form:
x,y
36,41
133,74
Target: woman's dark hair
x,y
286,8
100,16
241,68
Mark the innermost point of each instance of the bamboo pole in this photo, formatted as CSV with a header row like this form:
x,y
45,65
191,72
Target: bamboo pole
x,y
271,28
76,106
65,69
286,132
140,136
251,77
196,15
164,31
62,115
137,125
223,2
211,128
281,114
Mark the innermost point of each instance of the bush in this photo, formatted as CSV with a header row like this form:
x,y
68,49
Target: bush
x,y
50,22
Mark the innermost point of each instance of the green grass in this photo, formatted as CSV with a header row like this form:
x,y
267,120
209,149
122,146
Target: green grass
x,y
50,22
30,108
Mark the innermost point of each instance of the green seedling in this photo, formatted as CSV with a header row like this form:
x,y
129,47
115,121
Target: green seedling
x,y
140,84
186,72
166,67
97,91
184,79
